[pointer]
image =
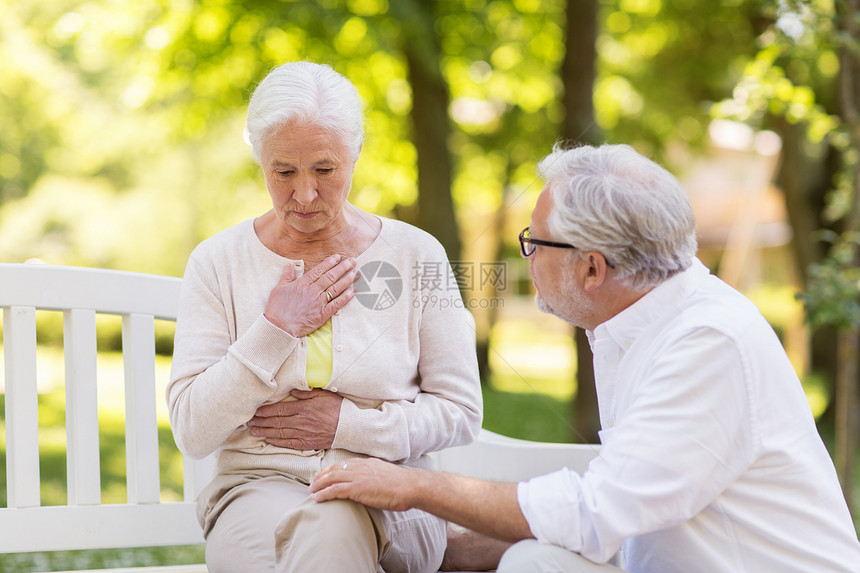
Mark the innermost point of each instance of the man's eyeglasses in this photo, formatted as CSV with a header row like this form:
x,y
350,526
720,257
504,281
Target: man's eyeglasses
x,y
528,245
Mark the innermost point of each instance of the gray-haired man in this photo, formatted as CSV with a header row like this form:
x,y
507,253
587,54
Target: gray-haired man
x,y
710,459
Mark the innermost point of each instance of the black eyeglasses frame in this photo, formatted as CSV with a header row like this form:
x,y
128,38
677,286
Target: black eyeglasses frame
x,y
524,240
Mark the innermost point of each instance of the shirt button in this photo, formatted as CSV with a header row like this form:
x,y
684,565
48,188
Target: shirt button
x,y
334,390
339,347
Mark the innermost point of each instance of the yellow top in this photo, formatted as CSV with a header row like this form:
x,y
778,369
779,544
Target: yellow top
x,y
318,370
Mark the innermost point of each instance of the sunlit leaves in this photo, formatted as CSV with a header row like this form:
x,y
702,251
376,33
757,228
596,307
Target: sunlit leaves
x,y
792,76
506,57
832,297
367,7
618,99
661,60
398,96
149,96
644,7
352,37
210,23
767,87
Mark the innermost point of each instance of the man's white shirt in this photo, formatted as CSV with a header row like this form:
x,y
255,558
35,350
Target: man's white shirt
x,y
710,459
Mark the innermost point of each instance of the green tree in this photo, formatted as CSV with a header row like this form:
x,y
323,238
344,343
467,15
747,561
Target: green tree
x,y
803,81
832,297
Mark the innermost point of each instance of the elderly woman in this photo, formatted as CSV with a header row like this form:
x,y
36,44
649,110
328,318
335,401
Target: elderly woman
x,y
287,360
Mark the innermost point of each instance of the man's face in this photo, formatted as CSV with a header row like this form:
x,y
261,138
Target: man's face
x,y
553,270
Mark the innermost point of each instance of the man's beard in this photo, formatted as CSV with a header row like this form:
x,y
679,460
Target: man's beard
x,y
543,305
570,308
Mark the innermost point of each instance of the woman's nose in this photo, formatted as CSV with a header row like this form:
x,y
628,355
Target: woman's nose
x,y
305,189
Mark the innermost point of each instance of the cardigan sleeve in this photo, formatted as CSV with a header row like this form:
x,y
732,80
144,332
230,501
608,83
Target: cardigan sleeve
x,y
448,409
216,382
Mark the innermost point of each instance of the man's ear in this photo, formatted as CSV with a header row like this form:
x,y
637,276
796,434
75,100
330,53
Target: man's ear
x,y
595,270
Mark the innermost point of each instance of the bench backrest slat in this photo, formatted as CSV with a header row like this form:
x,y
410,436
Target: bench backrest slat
x,y
196,474
82,423
141,428
22,407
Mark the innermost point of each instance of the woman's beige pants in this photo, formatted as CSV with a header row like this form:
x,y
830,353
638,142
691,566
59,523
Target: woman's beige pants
x,y
265,522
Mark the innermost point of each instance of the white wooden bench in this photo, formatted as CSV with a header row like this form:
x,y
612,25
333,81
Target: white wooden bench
x,y
145,520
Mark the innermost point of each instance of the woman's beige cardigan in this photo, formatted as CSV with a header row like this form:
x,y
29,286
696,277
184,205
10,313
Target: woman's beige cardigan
x,y
403,355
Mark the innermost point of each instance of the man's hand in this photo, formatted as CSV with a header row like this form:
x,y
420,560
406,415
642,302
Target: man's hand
x,y
487,507
307,423
370,481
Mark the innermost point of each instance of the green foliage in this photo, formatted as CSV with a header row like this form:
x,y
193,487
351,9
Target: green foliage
x,y
663,61
139,156
832,297
793,75
122,134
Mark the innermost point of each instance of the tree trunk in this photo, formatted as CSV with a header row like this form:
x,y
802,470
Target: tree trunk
x,y
805,182
578,71
845,445
847,371
490,289
430,123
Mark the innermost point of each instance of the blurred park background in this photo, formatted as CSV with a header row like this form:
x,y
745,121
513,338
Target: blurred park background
x,y
121,147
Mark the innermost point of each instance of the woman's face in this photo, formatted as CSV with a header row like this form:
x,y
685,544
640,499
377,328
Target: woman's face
x,y
308,173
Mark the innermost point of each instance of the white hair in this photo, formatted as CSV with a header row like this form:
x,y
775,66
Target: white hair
x,y
305,93
612,200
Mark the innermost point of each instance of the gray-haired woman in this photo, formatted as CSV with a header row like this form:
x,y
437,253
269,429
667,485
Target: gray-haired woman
x,y
304,338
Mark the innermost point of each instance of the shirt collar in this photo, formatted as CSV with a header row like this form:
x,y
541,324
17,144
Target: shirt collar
x,y
664,299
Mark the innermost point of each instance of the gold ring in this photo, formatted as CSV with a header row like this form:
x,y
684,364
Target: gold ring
x,y
328,297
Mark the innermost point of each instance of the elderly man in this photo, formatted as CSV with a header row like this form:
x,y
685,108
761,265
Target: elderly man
x,y
710,459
